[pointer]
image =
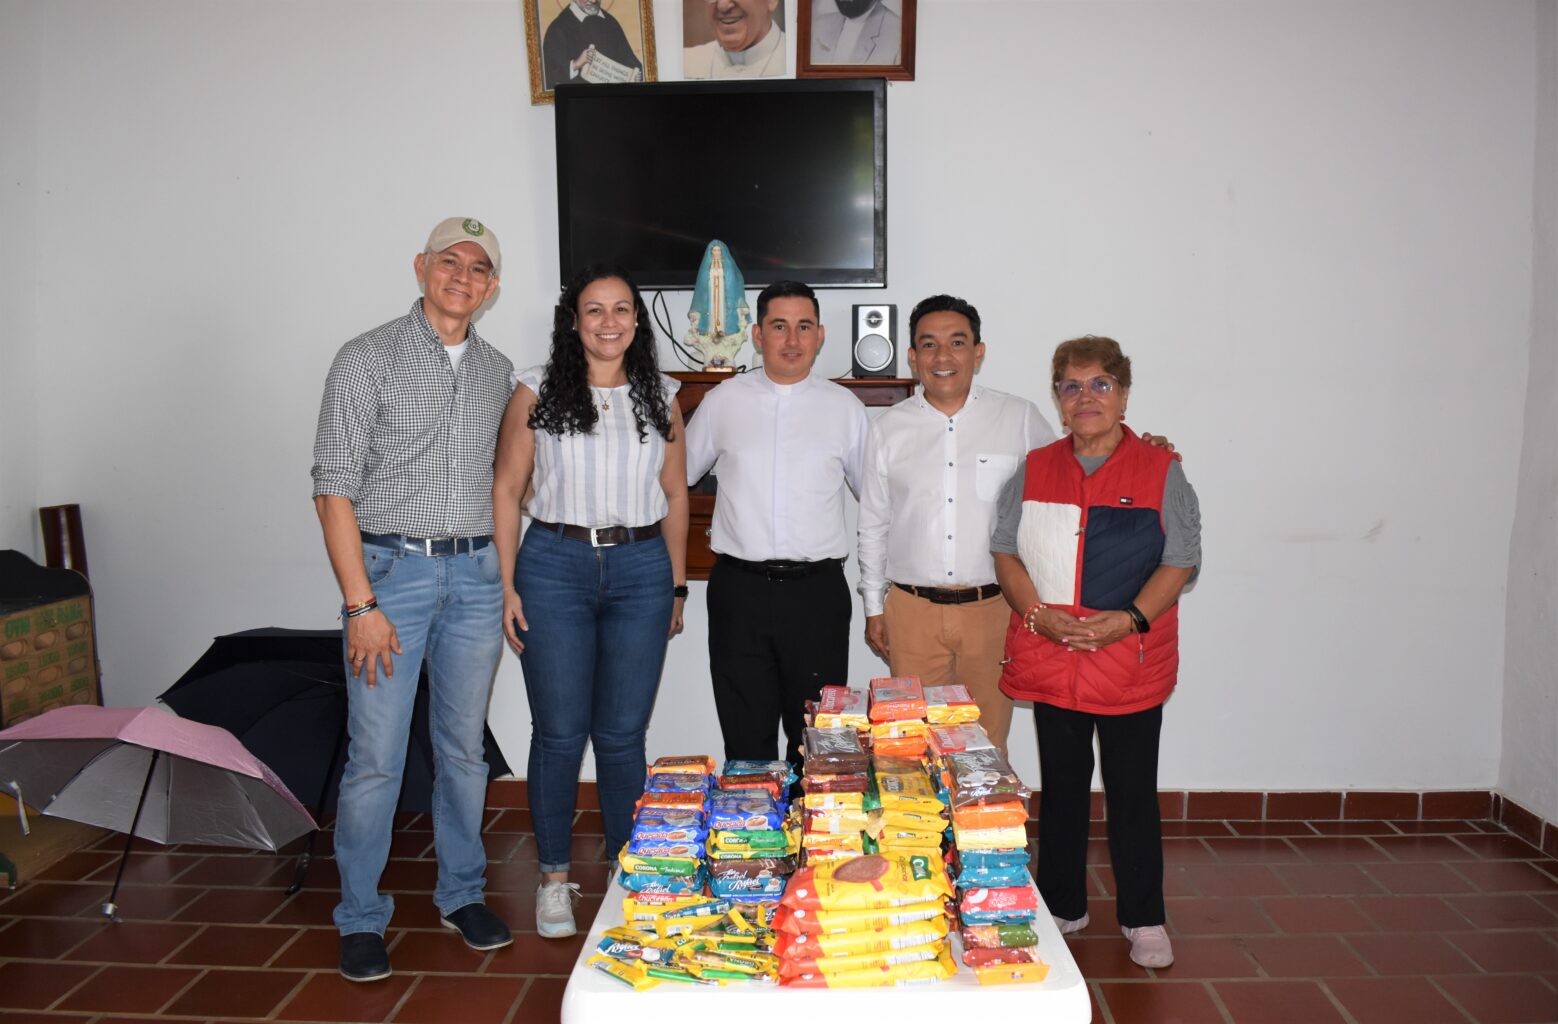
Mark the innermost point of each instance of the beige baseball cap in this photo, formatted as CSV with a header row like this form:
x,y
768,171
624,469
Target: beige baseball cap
x,y
455,230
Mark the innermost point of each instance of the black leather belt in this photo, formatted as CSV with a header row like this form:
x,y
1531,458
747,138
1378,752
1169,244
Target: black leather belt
x,y
778,569
602,536
433,547
953,595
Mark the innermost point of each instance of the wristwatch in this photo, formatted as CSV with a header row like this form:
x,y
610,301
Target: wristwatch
x,y
679,590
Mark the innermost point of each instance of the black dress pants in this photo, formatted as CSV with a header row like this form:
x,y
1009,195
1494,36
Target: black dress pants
x,y
773,644
1128,756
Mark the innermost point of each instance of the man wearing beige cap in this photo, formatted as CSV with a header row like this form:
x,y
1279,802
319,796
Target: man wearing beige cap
x,y
403,487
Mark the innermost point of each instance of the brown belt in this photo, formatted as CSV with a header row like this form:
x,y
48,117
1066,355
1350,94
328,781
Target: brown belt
x,y
602,536
953,595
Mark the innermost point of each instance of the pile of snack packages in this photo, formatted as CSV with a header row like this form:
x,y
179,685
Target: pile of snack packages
x,y
911,824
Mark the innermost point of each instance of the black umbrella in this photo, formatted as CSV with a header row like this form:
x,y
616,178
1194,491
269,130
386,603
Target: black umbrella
x,y
283,693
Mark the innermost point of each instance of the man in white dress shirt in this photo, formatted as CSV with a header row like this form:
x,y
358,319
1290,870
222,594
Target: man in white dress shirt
x,y
783,445
747,43
934,465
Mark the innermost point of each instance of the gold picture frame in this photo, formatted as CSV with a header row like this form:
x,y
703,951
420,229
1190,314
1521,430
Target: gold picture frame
x,y
815,31
634,19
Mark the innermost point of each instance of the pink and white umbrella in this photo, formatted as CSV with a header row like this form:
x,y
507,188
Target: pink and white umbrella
x,y
146,772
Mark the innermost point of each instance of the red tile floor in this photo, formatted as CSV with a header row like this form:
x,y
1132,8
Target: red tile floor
x,y
1361,922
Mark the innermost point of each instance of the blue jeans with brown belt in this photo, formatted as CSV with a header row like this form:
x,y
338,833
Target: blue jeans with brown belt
x,y
599,619
448,609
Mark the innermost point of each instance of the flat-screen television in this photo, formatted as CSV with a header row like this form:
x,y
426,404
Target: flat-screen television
x,y
790,175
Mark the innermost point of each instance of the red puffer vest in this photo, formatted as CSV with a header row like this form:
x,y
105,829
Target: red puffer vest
x,y
1089,543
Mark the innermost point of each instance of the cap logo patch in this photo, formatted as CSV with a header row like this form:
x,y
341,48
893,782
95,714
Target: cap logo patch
x,y
1127,501
473,227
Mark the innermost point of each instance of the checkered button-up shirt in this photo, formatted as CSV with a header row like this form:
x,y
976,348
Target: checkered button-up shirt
x,y
407,439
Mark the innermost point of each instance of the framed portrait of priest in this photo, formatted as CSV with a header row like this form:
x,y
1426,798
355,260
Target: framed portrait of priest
x,y
723,39
591,41
855,39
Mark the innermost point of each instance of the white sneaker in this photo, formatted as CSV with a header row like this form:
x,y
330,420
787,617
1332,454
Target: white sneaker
x,y
1150,946
554,909
1067,927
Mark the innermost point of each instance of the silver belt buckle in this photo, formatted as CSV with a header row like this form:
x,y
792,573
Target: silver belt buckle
x,y
427,545
595,540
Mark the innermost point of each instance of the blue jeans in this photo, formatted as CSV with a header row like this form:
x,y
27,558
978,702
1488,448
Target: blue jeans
x,y
598,623
449,609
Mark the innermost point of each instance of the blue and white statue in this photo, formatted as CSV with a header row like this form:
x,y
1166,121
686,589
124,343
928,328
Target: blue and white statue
x,y
719,315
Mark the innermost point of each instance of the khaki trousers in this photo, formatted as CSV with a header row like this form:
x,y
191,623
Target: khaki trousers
x,y
953,643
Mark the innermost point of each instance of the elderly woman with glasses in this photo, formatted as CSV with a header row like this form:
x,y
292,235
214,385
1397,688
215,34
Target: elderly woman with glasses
x,y
1095,538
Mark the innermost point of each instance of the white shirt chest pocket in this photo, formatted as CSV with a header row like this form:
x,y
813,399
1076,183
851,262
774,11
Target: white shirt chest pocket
x,y
991,473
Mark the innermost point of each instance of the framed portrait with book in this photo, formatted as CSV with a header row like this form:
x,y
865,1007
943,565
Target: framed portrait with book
x,y
855,39
590,41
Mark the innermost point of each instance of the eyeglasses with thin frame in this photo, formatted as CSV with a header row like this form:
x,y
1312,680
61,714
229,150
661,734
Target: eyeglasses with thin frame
x,y
452,266
1100,386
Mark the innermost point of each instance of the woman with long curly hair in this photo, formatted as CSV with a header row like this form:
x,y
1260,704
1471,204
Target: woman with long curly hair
x,y
596,590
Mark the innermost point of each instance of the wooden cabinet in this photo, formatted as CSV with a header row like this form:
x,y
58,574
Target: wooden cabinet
x,y
872,391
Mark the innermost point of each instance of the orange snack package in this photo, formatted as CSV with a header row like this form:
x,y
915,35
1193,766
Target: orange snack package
x,y
992,815
897,697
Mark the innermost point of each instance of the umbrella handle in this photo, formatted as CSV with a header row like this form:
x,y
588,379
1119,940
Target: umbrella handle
x,y
110,908
21,808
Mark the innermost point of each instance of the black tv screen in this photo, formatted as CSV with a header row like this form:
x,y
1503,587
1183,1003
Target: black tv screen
x,y
791,175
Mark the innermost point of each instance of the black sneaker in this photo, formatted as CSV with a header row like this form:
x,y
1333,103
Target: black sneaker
x,y
363,957
479,927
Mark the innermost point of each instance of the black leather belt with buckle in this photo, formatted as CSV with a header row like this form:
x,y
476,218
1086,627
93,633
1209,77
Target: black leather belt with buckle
x,y
432,547
779,569
602,536
953,595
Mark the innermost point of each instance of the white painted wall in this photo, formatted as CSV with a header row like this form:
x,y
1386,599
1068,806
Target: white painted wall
x,y
1309,223
20,35
1528,773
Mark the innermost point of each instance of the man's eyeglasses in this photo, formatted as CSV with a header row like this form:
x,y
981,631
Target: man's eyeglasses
x,y
451,266
1100,386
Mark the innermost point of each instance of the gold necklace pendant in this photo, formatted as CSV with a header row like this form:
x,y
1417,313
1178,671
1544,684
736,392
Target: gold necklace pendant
x,y
605,398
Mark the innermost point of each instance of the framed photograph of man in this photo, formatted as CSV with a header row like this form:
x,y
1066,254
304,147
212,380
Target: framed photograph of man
x,y
733,39
588,41
855,39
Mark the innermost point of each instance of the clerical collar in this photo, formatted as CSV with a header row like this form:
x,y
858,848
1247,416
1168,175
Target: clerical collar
x,y
758,51
581,13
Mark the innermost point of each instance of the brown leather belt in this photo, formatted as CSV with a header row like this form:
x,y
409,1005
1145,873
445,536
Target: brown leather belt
x,y
953,595
602,536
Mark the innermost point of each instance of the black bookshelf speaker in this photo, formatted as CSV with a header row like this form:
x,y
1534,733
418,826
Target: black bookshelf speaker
x,y
874,352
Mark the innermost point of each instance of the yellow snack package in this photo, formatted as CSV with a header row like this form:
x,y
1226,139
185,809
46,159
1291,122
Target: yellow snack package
x,y
1011,974
834,802
873,880
898,729
833,922
950,705
1006,837
646,906
892,936
913,793
628,972
913,821
917,973
844,963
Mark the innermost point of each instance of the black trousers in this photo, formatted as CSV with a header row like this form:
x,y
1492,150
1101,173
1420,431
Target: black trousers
x,y
773,644
1128,756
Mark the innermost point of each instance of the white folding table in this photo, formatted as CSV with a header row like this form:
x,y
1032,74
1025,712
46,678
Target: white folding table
x,y
1061,998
